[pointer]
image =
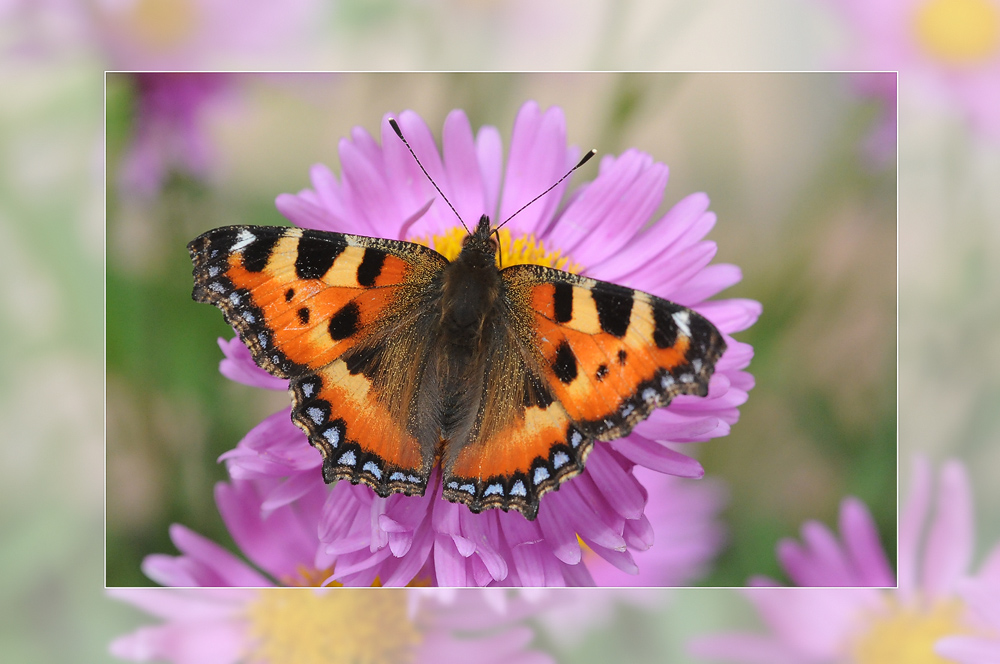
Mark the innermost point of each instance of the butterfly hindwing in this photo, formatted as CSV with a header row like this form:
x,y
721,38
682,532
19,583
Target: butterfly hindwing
x,y
315,307
524,444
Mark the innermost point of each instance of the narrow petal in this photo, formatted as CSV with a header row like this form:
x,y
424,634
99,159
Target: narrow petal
x,y
657,457
950,537
489,151
465,180
861,539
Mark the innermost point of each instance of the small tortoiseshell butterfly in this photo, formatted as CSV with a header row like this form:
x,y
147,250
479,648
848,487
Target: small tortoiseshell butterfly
x,y
399,359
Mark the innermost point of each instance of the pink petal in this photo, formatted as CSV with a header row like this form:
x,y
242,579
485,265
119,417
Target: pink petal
x,y
950,538
969,650
657,457
466,190
863,546
209,642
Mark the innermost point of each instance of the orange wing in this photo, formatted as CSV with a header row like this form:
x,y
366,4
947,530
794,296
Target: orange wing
x,y
594,359
320,308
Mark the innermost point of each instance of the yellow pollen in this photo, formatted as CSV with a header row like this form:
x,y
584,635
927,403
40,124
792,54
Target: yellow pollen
x,y
959,32
355,626
160,24
310,577
907,634
523,250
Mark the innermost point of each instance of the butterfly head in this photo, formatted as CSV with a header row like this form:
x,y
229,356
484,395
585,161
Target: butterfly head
x,y
480,247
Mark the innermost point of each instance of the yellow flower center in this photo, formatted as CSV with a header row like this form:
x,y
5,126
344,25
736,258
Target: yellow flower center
x,y
160,24
960,32
343,626
523,250
906,635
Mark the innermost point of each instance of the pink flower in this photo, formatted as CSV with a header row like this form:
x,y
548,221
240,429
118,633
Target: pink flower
x,y
938,610
602,228
950,48
282,626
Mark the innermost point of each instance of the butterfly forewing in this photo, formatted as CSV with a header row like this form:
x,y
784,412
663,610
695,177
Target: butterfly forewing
x,y
310,306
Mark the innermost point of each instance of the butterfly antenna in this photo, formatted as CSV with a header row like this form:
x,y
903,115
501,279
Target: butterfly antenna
x,y
395,128
583,161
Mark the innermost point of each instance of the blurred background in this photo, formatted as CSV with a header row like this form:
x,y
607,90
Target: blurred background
x,y
798,168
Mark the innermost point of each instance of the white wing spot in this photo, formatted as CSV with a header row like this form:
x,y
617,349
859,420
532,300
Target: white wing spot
x,y
316,415
575,439
243,240
648,394
518,489
696,365
686,378
560,459
541,474
372,468
213,271
332,436
397,476
627,410
307,389
216,287
682,319
235,298
468,488
347,459
667,380
262,338
492,489
249,317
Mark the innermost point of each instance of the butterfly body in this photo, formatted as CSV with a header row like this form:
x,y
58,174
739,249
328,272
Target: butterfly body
x,y
400,360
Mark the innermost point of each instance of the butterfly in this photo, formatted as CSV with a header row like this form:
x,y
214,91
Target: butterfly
x,y
400,360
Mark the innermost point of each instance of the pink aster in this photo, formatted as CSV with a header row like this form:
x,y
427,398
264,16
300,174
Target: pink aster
x,y
305,626
940,608
949,48
603,227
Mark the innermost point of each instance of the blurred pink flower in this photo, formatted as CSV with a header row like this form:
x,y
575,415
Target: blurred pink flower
x,y
604,228
186,35
950,48
169,132
938,608
879,147
333,626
